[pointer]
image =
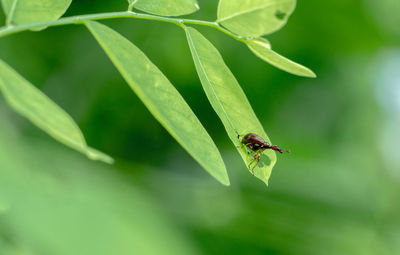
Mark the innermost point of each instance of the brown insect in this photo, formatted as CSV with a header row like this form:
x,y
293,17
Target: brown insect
x,y
257,145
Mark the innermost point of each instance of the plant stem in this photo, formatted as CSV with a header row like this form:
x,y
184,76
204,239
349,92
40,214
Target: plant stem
x,y
11,29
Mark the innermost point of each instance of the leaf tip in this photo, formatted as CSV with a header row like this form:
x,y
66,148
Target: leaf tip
x,y
221,176
313,75
100,156
226,181
309,73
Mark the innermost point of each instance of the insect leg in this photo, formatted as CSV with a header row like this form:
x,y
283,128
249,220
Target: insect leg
x,y
243,145
258,161
256,157
252,169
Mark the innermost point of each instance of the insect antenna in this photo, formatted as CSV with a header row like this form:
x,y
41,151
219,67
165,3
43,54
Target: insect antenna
x,y
238,135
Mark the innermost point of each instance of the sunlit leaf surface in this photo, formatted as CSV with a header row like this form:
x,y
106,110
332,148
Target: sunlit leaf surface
x,y
166,7
29,11
228,99
161,98
254,18
30,102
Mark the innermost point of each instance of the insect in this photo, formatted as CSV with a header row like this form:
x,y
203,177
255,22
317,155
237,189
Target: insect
x,y
257,145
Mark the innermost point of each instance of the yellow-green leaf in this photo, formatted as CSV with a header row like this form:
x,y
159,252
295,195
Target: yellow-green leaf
x,y
262,49
228,99
30,11
166,7
30,102
161,98
254,18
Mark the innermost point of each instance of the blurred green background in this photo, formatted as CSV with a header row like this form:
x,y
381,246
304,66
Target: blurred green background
x,y
337,193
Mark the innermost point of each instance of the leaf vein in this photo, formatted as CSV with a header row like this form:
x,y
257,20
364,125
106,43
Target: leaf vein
x,y
11,13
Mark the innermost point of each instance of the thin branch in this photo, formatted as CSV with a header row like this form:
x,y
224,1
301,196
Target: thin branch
x,y
11,29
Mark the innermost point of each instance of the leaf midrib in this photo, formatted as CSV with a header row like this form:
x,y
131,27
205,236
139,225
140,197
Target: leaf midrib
x,y
209,81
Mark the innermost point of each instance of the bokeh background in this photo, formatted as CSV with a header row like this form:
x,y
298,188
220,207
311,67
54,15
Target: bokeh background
x,y
337,193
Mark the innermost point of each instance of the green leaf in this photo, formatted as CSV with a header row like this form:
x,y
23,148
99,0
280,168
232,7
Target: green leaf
x,y
44,113
262,49
254,18
161,98
166,7
20,12
228,99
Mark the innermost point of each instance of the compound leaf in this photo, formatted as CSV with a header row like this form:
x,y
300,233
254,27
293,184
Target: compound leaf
x,y
262,49
228,99
161,98
20,12
254,18
30,102
166,7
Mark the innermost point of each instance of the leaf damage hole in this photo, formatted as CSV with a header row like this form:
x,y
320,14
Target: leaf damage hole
x,y
280,15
